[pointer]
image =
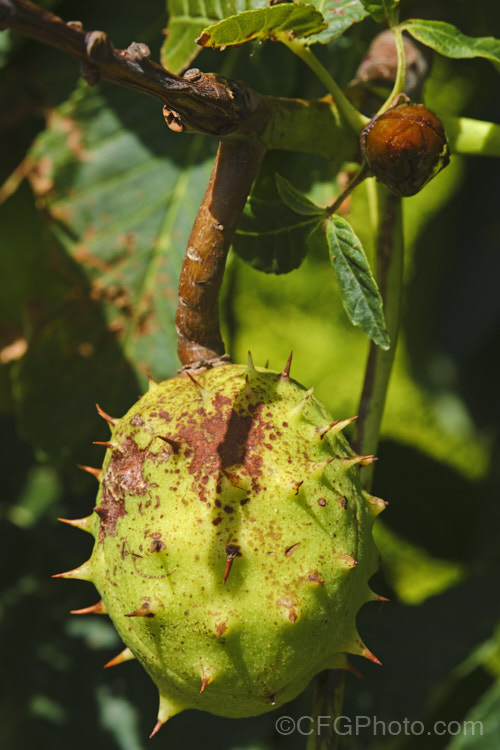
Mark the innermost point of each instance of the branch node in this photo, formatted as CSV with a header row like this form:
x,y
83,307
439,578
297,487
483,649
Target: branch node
x,y
137,51
173,119
90,73
193,74
98,46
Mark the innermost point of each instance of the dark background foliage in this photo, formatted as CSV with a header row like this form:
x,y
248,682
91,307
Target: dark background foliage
x,y
96,199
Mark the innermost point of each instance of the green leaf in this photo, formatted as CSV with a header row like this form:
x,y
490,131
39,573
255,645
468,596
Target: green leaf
x,y
481,728
266,23
358,288
118,193
340,15
295,200
273,238
448,41
186,22
380,9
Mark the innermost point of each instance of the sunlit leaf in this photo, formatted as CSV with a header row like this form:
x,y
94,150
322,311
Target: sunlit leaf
x,y
340,15
448,41
188,18
273,238
292,19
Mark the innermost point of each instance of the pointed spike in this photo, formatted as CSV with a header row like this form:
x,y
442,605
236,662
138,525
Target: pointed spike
x,y
250,366
156,728
349,667
97,473
285,375
368,655
111,420
176,445
346,463
375,504
85,524
95,609
297,410
232,551
151,382
295,486
347,561
206,395
220,629
166,710
123,656
335,427
83,573
341,662
358,648
105,443
316,469
206,679
142,611
377,597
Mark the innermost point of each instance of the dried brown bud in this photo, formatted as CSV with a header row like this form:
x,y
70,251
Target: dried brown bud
x,y
405,147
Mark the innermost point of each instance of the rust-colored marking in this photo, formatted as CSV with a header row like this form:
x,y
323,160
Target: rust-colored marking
x,y
220,629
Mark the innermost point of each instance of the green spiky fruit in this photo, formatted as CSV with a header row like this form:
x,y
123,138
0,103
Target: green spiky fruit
x,y
233,543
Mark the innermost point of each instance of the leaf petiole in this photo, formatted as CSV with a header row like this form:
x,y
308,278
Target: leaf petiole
x,y
356,120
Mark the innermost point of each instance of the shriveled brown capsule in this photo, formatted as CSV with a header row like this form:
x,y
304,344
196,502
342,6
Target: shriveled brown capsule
x,y
405,147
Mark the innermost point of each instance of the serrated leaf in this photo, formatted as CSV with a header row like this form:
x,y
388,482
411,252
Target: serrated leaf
x,y
380,9
292,19
340,15
358,288
295,200
448,41
187,19
273,238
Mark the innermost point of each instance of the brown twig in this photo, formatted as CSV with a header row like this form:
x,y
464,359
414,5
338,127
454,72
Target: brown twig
x,y
202,102
198,330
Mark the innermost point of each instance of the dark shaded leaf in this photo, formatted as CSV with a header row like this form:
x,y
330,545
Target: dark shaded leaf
x,y
380,9
295,200
273,238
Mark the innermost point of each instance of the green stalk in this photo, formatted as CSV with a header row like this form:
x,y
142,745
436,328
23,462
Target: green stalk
x,y
327,702
400,80
389,274
356,120
471,137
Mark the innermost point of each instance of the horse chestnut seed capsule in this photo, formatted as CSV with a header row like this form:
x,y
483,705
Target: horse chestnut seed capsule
x,y
405,147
